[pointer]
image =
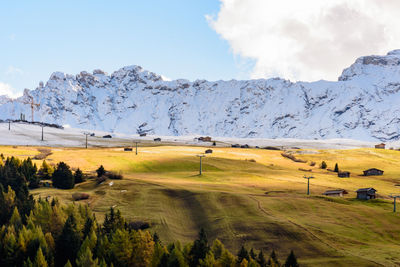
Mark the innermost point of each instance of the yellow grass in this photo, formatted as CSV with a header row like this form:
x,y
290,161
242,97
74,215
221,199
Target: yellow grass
x,y
261,204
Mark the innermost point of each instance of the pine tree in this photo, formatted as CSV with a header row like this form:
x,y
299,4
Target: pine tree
x,y
243,254
261,259
200,249
273,259
252,254
100,171
62,177
176,258
46,171
85,259
336,168
68,243
217,249
78,176
291,260
40,261
113,221
15,219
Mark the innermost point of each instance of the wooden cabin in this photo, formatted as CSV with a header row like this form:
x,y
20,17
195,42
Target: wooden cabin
x,y
208,151
335,193
373,172
380,146
205,138
127,149
158,139
343,174
366,193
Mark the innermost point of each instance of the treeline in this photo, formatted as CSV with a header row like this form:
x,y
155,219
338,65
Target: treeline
x,y
46,233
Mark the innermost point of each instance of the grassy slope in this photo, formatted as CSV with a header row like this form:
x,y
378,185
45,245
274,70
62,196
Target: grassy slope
x,y
230,200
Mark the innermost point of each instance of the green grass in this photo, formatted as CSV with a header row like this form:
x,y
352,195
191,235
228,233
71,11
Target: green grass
x,y
259,204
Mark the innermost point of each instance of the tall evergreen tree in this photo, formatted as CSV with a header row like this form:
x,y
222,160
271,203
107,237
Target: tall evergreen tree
x,y
261,259
62,177
291,260
40,260
273,259
200,249
336,168
69,242
78,176
113,221
243,254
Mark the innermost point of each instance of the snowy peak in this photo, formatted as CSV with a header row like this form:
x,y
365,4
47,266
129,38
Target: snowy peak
x,y
363,104
373,65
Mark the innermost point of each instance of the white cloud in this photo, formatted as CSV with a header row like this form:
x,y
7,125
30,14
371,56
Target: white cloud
x,y
6,89
11,70
12,37
308,39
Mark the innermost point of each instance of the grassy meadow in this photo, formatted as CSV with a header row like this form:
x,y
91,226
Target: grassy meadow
x,y
251,197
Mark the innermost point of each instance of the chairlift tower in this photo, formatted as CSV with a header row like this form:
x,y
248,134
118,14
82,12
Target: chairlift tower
x,y
200,169
86,134
42,130
308,183
394,196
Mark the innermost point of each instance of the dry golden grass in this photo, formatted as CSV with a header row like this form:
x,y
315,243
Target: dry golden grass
x,y
261,204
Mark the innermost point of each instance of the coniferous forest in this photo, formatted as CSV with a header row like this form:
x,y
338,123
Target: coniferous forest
x,y
44,232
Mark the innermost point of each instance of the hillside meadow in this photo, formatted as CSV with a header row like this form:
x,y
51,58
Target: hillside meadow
x,y
251,197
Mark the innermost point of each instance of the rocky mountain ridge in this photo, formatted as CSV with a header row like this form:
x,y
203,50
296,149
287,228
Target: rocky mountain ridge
x,y
363,104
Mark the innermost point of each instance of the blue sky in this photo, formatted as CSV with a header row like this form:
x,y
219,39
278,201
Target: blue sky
x,y
172,38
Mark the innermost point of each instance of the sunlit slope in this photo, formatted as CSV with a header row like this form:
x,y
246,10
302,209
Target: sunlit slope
x,y
261,204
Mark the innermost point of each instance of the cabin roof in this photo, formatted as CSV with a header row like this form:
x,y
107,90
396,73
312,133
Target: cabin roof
x,y
373,169
366,189
335,191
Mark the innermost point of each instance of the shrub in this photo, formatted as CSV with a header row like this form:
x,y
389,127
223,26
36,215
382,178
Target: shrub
x,y
100,171
44,153
312,163
138,225
78,176
114,176
323,165
79,196
101,179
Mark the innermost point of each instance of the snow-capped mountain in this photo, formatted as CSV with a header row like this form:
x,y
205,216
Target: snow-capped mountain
x,y
363,104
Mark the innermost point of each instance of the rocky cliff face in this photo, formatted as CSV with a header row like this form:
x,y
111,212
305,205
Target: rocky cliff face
x,y
363,104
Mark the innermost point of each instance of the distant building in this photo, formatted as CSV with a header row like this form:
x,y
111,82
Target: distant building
x,y
373,172
335,193
380,146
205,138
127,149
366,193
107,136
208,151
158,139
343,174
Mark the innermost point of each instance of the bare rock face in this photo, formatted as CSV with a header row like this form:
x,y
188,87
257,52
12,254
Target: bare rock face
x,y
363,104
